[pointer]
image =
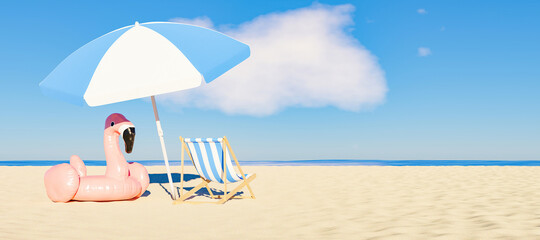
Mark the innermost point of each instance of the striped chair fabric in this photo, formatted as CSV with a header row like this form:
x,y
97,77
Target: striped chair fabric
x,y
207,155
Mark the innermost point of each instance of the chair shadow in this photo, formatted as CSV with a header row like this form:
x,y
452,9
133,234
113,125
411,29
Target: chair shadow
x,y
161,179
203,192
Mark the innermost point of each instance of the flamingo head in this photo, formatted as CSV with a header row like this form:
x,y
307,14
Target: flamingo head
x,y
119,124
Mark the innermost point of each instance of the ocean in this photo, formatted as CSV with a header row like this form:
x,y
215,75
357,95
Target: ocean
x,y
331,162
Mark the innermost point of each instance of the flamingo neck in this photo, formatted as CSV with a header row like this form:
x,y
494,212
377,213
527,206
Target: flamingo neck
x,y
117,167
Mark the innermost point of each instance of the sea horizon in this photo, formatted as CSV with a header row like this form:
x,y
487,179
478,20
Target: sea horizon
x,y
318,162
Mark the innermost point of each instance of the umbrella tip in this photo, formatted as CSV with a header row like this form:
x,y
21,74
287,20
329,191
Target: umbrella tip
x,y
136,23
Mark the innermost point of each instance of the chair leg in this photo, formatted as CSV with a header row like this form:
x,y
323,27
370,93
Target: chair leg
x,y
192,191
249,187
210,192
235,190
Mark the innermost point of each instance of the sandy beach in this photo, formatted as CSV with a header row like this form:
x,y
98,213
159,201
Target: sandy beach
x,y
319,202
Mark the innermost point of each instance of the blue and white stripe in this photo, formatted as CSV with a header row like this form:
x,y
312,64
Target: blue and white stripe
x,y
143,60
207,155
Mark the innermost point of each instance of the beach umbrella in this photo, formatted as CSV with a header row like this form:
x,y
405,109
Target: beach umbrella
x,y
143,60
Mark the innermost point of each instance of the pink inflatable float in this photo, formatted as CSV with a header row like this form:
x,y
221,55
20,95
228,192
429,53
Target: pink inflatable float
x,y
65,182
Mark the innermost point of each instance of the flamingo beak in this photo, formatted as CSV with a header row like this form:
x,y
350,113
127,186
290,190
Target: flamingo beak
x,y
129,138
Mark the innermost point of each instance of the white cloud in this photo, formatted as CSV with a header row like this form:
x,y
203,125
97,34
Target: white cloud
x,y
299,58
424,51
421,11
202,21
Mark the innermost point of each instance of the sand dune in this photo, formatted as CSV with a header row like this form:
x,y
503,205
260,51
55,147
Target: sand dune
x,y
294,203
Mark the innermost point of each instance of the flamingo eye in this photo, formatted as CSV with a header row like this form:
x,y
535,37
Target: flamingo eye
x,y
112,124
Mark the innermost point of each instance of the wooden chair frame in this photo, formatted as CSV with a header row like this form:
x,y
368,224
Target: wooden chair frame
x,y
226,195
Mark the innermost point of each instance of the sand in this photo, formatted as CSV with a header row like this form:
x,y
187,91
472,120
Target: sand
x,y
360,202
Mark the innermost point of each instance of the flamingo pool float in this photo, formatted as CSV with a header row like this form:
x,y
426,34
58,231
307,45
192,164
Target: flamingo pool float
x,y
122,181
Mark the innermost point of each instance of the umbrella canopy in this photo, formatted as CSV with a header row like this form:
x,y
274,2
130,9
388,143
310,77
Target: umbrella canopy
x,y
143,60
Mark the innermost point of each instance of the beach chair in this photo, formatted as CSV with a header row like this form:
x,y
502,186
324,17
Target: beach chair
x,y
212,160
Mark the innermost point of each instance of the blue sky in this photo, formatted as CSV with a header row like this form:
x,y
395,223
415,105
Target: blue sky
x,y
475,96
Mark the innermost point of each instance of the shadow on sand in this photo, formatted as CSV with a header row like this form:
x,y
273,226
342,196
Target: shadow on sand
x,y
204,192
163,180
162,177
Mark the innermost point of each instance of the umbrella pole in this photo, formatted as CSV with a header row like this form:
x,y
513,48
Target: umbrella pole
x,y
160,133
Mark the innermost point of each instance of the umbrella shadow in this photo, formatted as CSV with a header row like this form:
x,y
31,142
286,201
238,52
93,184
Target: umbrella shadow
x,y
161,179
146,193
